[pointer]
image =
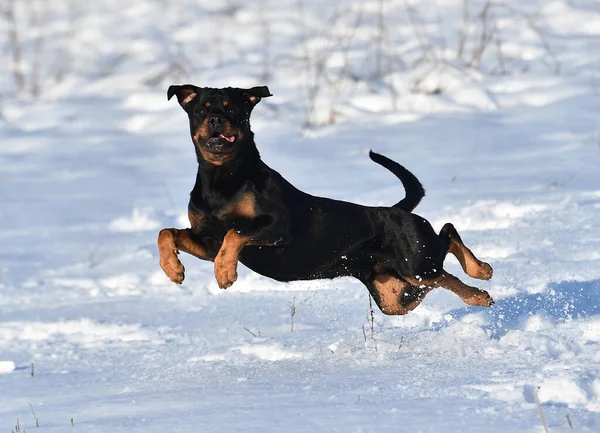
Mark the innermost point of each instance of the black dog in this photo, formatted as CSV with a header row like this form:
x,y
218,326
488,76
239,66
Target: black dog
x,y
240,209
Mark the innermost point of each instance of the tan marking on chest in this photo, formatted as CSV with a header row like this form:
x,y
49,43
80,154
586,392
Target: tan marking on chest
x,y
244,206
196,217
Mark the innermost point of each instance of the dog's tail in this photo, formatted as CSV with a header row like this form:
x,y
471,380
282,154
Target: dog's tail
x,y
412,186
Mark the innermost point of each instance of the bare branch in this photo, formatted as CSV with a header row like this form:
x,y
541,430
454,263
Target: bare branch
x,y
15,44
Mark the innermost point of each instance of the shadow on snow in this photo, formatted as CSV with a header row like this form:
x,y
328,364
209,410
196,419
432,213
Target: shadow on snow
x,y
560,302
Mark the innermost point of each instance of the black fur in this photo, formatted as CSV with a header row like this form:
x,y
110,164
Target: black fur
x,y
293,235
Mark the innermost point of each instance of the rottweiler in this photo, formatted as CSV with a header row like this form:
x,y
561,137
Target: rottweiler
x,y
240,209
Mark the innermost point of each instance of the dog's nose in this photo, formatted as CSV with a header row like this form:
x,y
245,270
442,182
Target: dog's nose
x,y
215,122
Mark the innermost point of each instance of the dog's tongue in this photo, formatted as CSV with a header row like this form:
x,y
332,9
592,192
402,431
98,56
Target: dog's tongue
x,y
230,139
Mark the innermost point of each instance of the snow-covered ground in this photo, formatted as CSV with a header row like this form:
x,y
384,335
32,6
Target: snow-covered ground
x,y
91,170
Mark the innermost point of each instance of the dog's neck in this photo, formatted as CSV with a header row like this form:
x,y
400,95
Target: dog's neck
x,y
241,164
229,176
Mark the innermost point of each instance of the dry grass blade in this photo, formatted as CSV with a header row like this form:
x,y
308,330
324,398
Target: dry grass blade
x,y
539,408
569,420
37,420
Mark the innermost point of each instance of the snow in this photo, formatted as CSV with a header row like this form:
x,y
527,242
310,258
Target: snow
x,y
139,220
91,170
6,367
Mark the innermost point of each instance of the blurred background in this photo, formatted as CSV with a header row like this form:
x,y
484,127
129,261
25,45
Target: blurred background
x,y
325,59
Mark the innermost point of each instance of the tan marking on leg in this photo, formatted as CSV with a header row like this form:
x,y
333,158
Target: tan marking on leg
x,y
187,244
170,241
168,256
470,295
227,258
472,266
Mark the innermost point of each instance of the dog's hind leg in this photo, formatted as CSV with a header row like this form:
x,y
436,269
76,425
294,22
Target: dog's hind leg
x,y
472,266
393,295
470,295
170,242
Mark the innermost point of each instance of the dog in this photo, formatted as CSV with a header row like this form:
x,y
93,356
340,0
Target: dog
x,y
242,210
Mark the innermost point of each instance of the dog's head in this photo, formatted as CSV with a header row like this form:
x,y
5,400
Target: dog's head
x,y
219,119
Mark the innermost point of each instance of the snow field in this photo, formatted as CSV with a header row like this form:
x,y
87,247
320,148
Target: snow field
x,y
91,171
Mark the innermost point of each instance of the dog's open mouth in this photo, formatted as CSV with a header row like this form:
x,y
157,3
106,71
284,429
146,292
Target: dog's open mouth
x,y
220,143
231,139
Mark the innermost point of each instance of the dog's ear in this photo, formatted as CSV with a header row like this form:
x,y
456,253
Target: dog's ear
x,y
185,93
255,94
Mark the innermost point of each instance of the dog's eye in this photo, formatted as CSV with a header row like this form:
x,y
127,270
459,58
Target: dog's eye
x,y
232,110
199,111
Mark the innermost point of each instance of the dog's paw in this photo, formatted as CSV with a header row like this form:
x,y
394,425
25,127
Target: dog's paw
x,y
481,299
225,273
173,267
485,271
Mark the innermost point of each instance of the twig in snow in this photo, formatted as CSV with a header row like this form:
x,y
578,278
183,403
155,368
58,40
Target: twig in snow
x,y
294,309
293,313
464,31
36,21
569,419
15,43
174,70
252,333
315,62
37,420
266,36
484,38
92,255
499,53
427,49
539,407
533,27
381,40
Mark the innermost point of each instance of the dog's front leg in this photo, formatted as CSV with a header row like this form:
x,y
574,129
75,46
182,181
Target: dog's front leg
x,y
227,258
170,242
248,229
257,232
